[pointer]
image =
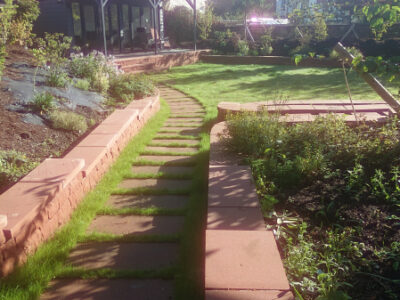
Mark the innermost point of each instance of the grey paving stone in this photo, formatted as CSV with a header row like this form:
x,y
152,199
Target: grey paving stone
x,y
107,289
146,201
172,149
175,141
156,183
137,225
124,256
174,170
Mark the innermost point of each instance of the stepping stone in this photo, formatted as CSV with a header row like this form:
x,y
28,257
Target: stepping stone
x,y
235,218
137,225
106,289
248,295
186,110
189,105
175,141
172,149
231,186
171,184
169,159
187,115
124,256
243,260
183,125
195,129
164,169
185,120
175,134
147,201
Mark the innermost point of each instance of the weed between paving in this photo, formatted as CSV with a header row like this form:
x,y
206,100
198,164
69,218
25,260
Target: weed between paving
x,y
51,260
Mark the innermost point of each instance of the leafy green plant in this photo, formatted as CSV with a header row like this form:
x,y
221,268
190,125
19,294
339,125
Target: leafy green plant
x,y
242,48
13,165
68,121
266,43
205,21
27,11
57,78
7,13
127,87
43,102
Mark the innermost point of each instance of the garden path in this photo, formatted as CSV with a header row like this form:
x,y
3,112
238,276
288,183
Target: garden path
x,y
136,251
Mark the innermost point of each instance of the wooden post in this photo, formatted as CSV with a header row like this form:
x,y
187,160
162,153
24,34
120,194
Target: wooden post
x,y
371,80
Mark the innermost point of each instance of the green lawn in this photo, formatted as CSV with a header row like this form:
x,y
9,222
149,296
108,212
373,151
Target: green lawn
x,y
213,83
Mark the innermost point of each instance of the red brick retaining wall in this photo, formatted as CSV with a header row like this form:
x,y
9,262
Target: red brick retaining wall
x,y
44,199
268,60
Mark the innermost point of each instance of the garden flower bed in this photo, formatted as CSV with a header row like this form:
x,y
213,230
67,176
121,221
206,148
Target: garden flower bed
x,y
331,194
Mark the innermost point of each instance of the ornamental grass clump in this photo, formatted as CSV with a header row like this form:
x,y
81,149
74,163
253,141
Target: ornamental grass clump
x,y
68,121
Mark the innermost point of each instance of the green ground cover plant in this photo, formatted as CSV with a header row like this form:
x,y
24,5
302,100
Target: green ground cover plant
x,y
68,120
336,194
249,83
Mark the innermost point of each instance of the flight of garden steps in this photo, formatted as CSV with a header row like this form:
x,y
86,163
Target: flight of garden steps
x,y
186,119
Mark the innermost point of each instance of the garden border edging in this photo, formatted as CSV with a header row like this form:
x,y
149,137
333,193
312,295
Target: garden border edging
x,y
242,260
42,201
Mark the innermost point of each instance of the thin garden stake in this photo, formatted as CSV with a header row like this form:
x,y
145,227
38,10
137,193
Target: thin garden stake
x,y
348,90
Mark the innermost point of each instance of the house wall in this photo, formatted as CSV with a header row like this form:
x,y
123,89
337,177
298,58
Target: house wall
x,y
54,17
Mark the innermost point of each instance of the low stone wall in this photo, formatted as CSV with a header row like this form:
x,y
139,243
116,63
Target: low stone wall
x,y
159,62
44,200
242,260
268,60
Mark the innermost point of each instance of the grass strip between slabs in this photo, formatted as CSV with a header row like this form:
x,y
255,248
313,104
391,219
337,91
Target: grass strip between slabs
x,y
101,237
145,162
148,211
30,280
74,272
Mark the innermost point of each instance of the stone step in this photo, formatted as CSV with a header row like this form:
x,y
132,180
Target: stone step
x,y
174,134
156,183
172,170
124,256
169,159
188,115
172,149
148,201
137,225
175,141
106,289
184,120
183,125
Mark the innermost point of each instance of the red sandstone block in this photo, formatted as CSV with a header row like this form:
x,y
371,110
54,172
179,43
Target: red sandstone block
x,y
248,295
243,260
231,186
121,117
55,170
91,155
235,218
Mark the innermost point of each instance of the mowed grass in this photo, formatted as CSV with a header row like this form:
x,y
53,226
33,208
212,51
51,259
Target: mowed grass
x,y
214,83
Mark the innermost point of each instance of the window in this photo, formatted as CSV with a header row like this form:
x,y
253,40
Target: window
x,y
90,23
76,19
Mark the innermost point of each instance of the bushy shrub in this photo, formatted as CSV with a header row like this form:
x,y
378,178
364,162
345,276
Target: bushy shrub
x,y
94,67
205,22
13,165
27,11
266,43
68,121
243,48
43,102
179,24
226,42
126,87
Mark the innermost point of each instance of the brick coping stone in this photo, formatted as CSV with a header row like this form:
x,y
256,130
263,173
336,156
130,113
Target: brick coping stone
x,y
242,260
41,202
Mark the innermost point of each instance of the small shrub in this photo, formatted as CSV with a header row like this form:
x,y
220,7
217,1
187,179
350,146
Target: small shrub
x,y
27,11
82,84
13,165
226,42
126,87
43,102
68,121
100,82
266,43
57,78
243,48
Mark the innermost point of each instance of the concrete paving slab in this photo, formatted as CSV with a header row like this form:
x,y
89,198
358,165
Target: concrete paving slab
x,y
235,218
147,201
180,124
231,186
180,131
180,128
156,183
175,141
173,170
185,120
169,158
248,295
172,149
137,225
124,256
175,134
106,289
220,153
247,260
